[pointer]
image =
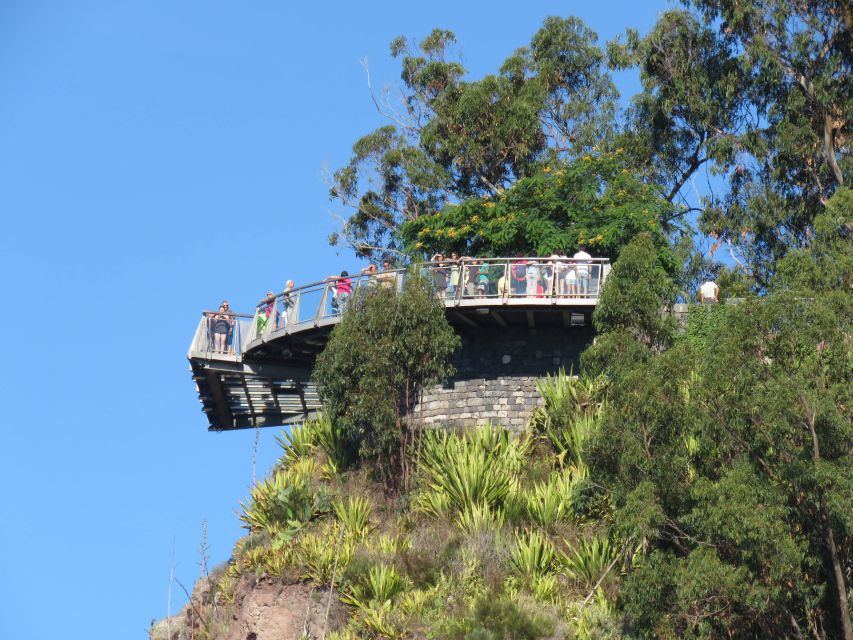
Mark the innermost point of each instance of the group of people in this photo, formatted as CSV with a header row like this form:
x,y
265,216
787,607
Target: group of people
x,y
530,277
557,275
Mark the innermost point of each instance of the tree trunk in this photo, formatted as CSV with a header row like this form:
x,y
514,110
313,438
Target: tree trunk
x,y
829,538
839,581
829,149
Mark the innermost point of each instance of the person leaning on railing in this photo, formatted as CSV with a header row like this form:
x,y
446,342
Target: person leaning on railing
x,y
387,277
371,272
342,288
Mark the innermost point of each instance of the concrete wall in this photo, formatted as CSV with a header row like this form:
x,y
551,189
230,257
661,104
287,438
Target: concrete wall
x,y
496,375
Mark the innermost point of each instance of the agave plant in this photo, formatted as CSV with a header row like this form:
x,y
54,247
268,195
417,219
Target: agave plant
x,y
297,444
354,515
376,622
588,561
323,552
480,517
532,555
545,504
329,438
572,409
283,504
380,585
467,472
431,502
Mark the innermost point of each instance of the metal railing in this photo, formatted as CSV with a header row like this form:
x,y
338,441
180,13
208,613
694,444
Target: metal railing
x,y
221,335
522,281
529,280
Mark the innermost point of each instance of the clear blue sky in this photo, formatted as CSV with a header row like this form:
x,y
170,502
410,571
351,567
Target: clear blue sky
x,y
155,157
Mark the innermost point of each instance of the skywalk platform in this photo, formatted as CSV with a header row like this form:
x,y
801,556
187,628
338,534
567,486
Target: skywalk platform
x,y
262,377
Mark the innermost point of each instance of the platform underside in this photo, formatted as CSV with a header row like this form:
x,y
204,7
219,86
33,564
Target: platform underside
x,y
270,384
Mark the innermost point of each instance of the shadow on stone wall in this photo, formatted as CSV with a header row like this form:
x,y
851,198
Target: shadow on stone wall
x,y
496,374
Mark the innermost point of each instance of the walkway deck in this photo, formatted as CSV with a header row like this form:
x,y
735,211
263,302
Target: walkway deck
x,y
263,376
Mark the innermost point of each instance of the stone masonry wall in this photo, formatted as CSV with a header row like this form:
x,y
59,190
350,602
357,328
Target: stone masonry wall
x,y
496,374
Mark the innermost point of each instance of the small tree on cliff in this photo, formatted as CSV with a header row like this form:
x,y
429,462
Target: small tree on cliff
x,y
388,345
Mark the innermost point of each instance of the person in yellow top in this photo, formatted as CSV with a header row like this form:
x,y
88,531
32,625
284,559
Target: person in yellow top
x,y
388,276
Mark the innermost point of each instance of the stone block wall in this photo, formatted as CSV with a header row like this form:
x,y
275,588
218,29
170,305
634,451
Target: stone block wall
x,y
496,374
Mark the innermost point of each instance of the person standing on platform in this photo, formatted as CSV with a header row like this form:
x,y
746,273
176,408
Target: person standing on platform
x,y
582,259
532,278
709,292
287,303
266,312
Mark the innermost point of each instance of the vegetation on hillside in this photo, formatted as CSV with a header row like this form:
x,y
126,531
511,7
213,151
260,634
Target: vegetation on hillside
x,y
689,484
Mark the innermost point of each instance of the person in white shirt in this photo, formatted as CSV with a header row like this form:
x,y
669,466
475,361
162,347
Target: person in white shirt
x,y
560,273
551,274
582,259
709,292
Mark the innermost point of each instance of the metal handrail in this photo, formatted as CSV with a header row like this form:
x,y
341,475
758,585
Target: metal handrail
x,y
232,343
526,280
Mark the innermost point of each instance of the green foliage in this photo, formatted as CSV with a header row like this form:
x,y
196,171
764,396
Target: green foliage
x,y
572,409
480,517
329,437
453,139
503,619
380,585
636,291
463,473
587,561
757,93
532,555
387,346
354,515
704,321
284,503
729,453
297,444
549,503
593,200
322,554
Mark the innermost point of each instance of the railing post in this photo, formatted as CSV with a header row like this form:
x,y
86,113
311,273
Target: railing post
x,y
460,283
321,309
295,310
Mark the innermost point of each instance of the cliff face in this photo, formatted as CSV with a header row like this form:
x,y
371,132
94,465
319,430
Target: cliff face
x,y
262,609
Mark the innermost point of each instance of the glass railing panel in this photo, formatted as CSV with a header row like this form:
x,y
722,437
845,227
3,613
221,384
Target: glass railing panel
x,y
220,334
311,303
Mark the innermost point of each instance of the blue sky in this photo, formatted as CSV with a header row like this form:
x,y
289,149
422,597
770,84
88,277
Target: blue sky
x,y
155,157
